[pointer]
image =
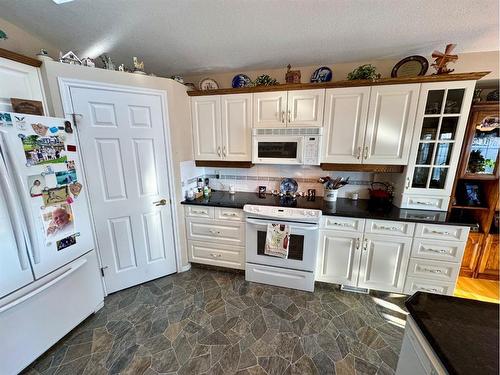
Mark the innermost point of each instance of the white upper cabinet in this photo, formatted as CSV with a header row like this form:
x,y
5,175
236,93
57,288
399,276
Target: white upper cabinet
x,y
222,127
237,127
384,262
305,108
206,127
269,109
338,257
391,118
346,111
301,108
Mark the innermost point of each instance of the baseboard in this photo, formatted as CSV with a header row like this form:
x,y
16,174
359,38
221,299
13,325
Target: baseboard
x,y
185,268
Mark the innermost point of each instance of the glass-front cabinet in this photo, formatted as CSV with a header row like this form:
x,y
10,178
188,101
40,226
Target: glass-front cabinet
x,y
437,141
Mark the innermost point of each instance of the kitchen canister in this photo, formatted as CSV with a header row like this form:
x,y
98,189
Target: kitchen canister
x,y
331,195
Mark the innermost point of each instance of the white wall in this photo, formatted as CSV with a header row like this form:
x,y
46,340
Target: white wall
x,y
178,113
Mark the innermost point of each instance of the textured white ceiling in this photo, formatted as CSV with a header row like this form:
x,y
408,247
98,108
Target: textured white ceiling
x,y
191,36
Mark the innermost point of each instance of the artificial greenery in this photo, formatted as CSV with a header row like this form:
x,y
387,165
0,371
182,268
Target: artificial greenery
x,y
3,34
265,80
367,71
477,162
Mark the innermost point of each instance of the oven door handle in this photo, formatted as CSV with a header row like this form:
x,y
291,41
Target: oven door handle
x,y
296,225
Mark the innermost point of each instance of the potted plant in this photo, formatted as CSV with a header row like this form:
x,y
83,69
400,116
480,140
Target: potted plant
x,y
332,186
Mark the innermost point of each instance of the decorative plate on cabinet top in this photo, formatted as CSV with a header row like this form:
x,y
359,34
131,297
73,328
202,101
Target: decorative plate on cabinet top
x,y
241,80
208,84
411,66
323,74
288,185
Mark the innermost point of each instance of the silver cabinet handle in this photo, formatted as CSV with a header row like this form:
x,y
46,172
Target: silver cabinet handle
x,y
283,117
439,232
229,214
213,231
218,150
366,153
214,255
429,289
359,153
224,151
365,244
383,227
199,212
438,251
161,202
425,203
407,183
289,116
340,224
430,270
357,243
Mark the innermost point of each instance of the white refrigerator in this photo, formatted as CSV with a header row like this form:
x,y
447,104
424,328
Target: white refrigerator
x,y
49,276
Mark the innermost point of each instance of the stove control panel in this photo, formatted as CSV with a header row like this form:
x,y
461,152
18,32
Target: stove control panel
x,y
288,213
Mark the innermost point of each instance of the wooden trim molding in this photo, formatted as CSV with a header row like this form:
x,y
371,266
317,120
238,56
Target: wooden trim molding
x,y
6,54
223,164
379,168
474,76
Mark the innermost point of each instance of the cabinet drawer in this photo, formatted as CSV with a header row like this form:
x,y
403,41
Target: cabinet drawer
x,y
216,254
442,232
432,269
414,285
343,223
216,231
390,227
424,202
199,211
439,250
233,214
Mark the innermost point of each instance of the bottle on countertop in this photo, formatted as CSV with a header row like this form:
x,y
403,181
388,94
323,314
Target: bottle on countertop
x,y
199,185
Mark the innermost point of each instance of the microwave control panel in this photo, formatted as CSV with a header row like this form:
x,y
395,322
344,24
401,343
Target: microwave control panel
x,y
311,150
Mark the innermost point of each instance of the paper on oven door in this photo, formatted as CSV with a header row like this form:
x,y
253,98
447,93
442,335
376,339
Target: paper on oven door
x,y
277,240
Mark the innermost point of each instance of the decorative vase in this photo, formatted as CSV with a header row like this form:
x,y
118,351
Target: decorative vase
x,y
331,195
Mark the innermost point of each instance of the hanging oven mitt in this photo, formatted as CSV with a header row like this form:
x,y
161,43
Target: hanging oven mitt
x,y
277,240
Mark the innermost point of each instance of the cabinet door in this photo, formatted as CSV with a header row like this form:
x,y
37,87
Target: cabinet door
x,y
471,254
345,124
490,260
384,261
305,108
391,118
443,110
338,258
205,117
237,127
269,109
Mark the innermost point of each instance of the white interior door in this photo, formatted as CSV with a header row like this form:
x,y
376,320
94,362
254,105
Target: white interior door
x,y
269,109
305,108
345,124
338,258
384,262
205,112
237,127
391,118
124,151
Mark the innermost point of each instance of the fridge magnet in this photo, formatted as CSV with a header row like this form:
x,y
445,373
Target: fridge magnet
x,y
54,129
66,242
36,185
66,177
48,170
75,189
42,150
67,127
20,122
55,195
70,164
26,106
58,221
71,148
69,200
39,129
5,119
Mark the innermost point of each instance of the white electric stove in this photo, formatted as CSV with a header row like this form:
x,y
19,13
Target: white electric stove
x,y
297,271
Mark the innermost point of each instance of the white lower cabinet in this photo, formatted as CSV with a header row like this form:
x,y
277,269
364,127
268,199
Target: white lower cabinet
x,y
383,262
216,236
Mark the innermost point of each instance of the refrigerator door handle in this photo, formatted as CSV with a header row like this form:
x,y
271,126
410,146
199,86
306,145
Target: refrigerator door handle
x,y
55,280
18,220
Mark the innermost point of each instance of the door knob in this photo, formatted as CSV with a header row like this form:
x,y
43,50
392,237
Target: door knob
x,y
161,202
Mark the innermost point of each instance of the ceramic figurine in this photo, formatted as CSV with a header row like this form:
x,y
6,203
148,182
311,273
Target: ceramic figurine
x,y
69,58
43,55
107,62
87,61
138,66
442,59
121,68
292,76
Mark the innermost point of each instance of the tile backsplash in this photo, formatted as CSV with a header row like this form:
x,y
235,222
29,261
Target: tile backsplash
x,y
249,179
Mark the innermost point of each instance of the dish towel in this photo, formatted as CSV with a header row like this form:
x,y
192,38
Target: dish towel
x,y
277,240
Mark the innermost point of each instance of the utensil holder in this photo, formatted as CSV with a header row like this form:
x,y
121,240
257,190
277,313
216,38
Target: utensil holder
x,y
331,195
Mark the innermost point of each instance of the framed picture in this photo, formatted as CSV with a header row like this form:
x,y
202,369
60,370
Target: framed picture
x,y
29,107
470,194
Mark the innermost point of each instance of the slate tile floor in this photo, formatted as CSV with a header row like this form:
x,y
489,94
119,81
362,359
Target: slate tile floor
x,y
213,322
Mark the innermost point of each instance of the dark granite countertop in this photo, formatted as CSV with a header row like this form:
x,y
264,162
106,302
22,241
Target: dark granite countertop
x,y
342,207
462,332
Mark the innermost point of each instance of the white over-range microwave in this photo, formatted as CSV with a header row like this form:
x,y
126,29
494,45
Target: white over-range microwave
x,y
286,146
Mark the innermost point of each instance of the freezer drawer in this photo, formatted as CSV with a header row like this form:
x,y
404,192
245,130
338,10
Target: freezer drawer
x,y
36,317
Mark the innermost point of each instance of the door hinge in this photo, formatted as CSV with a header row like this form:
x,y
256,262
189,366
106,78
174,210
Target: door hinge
x,y
102,270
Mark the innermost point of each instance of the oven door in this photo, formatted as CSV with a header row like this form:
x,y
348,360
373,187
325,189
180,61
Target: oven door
x,y
277,150
301,250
